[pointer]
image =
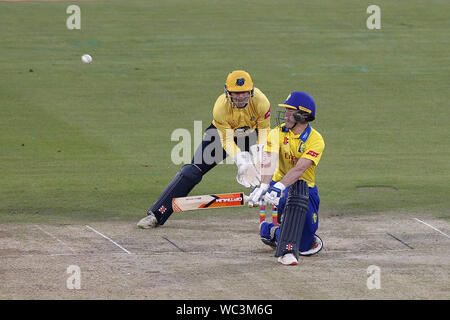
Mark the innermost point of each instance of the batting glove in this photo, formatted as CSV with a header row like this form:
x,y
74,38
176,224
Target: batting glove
x,y
255,198
274,194
247,173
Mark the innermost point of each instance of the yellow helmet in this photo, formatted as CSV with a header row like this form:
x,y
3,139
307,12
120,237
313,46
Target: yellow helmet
x,y
238,81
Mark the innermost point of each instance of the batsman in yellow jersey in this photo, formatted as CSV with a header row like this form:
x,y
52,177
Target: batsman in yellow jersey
x,y
291,155
241,119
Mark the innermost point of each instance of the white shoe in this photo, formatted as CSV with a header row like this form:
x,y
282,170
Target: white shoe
x,y
288,260
316,246
148,222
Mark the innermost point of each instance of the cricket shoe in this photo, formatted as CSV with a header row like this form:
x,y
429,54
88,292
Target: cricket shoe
x,y
288,259
148,222
316,246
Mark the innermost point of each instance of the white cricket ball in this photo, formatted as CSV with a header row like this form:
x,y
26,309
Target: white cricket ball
x,y
86,58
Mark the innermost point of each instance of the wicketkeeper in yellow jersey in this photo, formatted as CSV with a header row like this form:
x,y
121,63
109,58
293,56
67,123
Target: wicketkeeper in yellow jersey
x,y
241,119
291,155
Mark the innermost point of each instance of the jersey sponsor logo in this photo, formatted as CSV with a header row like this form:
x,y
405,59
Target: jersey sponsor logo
x,y
312,153
267,114
292,159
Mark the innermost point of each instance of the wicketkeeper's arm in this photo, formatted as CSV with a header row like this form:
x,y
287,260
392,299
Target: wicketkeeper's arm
x,y
268,166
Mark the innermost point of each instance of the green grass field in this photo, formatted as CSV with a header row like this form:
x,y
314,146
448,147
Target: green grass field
x,y
92,142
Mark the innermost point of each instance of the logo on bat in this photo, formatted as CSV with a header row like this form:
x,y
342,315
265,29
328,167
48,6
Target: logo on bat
x,y
220,200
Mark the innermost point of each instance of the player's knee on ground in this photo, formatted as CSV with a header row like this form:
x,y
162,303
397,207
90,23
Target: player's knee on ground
x,y
268,233
265,230
309,230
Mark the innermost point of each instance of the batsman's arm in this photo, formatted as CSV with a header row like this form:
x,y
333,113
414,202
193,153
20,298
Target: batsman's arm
x,y
296,172
310,157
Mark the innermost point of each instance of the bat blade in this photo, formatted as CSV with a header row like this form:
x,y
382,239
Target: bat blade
x,y
209,201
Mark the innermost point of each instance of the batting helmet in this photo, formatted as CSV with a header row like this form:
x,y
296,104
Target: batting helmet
x,y
302,102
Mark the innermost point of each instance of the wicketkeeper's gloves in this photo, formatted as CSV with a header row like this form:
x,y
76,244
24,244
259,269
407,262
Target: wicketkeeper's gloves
x,y
247,174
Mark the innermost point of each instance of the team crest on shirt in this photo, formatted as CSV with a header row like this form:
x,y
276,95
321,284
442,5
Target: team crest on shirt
x,y
302,147
286,140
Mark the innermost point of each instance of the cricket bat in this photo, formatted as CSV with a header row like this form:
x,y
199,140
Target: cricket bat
x,y
209,201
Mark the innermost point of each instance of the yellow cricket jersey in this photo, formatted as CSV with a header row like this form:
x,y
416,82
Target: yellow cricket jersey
x,y
291,147
227,118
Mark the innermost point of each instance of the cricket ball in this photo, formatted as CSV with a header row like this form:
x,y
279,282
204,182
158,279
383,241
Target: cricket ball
x,y
86,58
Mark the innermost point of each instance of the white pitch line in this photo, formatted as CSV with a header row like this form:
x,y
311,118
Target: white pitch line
x,y
429,225
52,236
109,239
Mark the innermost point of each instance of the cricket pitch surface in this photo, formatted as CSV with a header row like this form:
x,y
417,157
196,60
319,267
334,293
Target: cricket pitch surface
x,y
220,258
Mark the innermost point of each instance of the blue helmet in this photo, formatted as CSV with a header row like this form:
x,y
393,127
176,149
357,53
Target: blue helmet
x,y
302,102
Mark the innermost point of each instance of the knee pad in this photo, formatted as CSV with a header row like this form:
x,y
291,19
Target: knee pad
x,y
184,181
192,172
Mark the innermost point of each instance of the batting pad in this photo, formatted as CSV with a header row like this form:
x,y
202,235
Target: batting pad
x,y
293,219
184,181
